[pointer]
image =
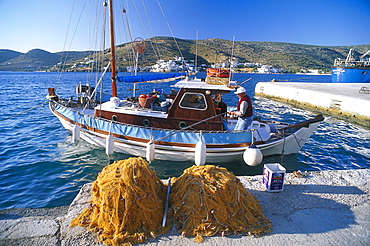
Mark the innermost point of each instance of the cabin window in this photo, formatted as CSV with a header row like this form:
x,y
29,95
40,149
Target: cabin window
x,y
191,100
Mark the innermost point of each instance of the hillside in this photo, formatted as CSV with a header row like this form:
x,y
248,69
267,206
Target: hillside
x,y
6,55
36,59
292,57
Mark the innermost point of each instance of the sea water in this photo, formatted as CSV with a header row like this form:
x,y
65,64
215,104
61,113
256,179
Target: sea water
x,y
39,167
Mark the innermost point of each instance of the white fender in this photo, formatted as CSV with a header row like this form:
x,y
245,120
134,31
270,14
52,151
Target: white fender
x,y
75,134
252,156
200,153
109,145
150,151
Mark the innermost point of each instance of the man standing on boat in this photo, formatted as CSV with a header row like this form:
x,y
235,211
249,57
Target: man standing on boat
x,y
244,110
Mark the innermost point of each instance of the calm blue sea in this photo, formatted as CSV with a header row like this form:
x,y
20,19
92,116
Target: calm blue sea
x,y
39,167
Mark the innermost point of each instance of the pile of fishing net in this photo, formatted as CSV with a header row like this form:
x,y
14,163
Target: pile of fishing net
x,y
127,204
209,200
129,201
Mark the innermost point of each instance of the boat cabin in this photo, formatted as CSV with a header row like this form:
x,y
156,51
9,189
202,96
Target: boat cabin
x,y
194,102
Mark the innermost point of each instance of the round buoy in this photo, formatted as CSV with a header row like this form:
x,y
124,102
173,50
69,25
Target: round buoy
x,y
252,156
200,153
75,134
109,145
150,151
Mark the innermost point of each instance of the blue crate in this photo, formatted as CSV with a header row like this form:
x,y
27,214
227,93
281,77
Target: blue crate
x,y
160,108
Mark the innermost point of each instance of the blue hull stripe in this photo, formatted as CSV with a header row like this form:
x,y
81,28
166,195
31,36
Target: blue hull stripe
x,y
188,137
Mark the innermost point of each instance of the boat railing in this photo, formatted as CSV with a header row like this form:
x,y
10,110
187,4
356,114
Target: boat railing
x,y
352,63
79,112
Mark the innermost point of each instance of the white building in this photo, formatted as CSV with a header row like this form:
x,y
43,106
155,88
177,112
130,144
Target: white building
x,y
264,69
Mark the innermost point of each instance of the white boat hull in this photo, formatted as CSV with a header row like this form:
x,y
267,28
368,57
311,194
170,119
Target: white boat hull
x,y
288,145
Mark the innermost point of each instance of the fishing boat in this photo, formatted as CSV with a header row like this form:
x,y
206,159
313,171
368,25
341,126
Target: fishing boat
x,y
351,70
218,72
188,124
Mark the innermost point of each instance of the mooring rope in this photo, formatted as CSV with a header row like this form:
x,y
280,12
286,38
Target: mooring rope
x,y
300,145
7,118
283,150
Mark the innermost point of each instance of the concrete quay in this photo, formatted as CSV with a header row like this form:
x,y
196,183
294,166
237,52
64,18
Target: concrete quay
x,y
320,208
333,98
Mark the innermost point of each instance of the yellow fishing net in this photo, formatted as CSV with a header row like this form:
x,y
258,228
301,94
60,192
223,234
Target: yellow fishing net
x,y
127,204
209,200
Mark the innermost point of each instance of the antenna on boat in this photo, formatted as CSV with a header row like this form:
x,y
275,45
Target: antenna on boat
x,y
196,52
112,50
232,56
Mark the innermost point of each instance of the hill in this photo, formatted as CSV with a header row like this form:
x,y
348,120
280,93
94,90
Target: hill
x,y
36,59
292,57
6,55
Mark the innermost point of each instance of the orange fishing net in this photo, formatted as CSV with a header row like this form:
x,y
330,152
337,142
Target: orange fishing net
x,y
209,200
127,204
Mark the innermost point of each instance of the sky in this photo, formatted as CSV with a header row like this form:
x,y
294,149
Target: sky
x,y
48,25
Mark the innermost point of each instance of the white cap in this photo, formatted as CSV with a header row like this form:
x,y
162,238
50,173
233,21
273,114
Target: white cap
x,y
240,90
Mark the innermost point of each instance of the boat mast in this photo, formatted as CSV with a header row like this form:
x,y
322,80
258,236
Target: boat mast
x,y
350,56
112,50
232,57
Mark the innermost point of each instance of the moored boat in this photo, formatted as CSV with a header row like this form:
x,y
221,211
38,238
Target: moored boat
x,y
351,70
218,72
194,116
189,124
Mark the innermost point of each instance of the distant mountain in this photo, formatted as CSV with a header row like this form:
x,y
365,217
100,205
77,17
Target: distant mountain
x,y
292,57
36,59
6,55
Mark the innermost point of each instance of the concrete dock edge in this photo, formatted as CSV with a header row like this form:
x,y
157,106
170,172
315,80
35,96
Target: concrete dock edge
x,y
321,208
343,101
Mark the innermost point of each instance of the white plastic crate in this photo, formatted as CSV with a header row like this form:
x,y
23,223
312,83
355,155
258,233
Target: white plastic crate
x,y
273,177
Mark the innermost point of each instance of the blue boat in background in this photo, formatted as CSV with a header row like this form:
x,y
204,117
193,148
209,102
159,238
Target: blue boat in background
x,y
351,70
